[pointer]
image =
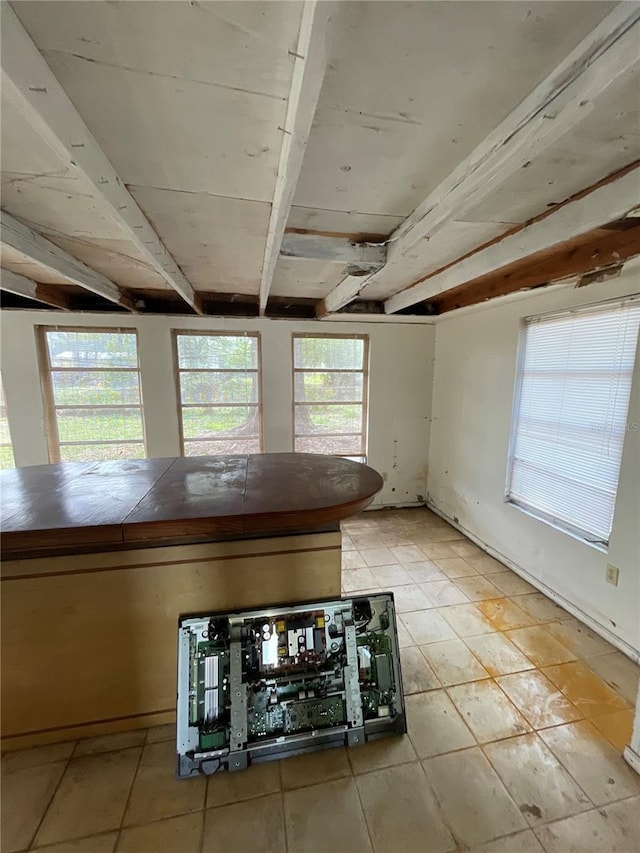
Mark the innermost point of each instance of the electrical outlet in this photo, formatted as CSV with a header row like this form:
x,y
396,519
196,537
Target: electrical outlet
x,y
612,574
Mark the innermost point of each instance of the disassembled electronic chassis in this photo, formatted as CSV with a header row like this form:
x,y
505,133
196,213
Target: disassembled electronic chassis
x,y
260,685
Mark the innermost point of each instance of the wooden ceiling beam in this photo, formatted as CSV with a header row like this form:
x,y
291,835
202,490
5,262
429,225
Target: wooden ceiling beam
x,y
609,202
599,250
48,294
563,99
310,63
34,247
366,257
29,83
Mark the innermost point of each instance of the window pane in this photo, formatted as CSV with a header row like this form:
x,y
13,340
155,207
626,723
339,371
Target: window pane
x,y
199,387
221,447
86,388
340,445
227,352
321,387
6,451
319,419
101,452
329,353
570,415
208,422
88,424
92,349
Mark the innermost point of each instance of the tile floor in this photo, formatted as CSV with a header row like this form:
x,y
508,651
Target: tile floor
x,y
517,715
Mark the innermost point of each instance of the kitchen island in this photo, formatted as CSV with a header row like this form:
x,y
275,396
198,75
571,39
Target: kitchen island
x,y
99,559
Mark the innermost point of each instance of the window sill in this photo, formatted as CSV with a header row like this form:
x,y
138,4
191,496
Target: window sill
x,y
557,525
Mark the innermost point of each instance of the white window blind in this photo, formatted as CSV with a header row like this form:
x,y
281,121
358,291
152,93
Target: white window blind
x,y
570,415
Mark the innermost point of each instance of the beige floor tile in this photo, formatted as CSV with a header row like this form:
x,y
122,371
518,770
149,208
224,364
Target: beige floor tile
x,y
26,793
425,571
417,675
242,827
378,557
486,564
497,655
465,549
540,786
616,727
315,767
427,626
326,817
368,539
404,637
407,554
160,733
182,834
256,781
386,752
511,584
443,593
393,538
401,811
110,743
453,663
614,829
540,646
521,842
597,767
347,543
410,597
487,711
540,608
438,550
455,567
504,614
91,796
584,688
391,575
434,724
352,560
475,803
478,588
22,759
355,579
466,620
579,639
156,793
619,672
538,700
104,843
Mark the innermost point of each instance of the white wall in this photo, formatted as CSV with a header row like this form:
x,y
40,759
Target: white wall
x,y
400,377
472,403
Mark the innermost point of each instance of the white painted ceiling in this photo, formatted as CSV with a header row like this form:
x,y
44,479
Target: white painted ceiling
x,y
188,101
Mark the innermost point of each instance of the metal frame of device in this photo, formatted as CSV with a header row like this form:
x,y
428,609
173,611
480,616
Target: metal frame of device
x,y
264,684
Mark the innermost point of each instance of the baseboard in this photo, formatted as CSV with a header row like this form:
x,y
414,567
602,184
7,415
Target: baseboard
x,y
567,605
632,758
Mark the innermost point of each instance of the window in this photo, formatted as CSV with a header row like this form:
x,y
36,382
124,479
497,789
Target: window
x,y
6,451
330,395
92,395
572,398
219,382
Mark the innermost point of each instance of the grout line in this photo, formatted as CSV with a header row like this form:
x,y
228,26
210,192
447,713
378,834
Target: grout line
x,y
126,805
48,806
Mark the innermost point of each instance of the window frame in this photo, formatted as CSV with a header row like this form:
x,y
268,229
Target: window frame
x,y
9,444
548,518
50,408
365,388
177,370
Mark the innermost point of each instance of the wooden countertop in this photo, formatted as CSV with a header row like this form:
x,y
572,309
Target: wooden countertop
x,y
82,506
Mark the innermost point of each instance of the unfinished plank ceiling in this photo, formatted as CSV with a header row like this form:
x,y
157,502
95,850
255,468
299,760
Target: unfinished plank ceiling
x,y
310,158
